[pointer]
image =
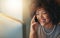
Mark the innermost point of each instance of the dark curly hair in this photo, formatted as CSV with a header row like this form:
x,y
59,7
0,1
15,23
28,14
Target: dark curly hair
x,y
49,6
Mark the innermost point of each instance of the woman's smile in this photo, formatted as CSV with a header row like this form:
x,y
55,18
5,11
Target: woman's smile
x,y
43,20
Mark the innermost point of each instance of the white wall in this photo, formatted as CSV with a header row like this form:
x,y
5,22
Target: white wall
x,y
8,28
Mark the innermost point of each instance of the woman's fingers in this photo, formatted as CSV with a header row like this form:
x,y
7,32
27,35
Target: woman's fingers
x,y
33,19
35,26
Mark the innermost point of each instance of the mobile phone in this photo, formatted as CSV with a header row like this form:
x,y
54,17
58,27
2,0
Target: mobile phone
x,y
36,20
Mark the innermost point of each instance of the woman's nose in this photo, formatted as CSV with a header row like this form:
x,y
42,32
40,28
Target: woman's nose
x,y
41,16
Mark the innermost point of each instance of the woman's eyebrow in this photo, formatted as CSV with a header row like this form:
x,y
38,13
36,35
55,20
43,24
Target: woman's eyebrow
x,y
44,12
37,12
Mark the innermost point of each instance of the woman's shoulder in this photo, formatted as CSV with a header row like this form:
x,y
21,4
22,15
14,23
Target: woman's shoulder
x,y
58,27
58,30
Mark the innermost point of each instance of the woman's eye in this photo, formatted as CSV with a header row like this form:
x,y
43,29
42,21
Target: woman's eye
x,y
37,13
44,13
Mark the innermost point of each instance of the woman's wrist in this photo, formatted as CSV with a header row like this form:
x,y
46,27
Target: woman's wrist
x,y
34,32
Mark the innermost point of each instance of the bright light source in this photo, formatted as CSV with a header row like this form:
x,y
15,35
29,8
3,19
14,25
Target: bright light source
x,y
13,4
12,8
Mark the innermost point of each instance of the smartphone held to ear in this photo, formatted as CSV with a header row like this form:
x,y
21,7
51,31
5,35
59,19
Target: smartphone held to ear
x,y
36,20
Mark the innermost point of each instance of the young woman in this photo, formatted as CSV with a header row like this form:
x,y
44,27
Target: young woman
x,y
44,23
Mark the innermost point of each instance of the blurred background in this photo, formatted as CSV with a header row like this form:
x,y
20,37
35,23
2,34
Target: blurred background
x,y
14,18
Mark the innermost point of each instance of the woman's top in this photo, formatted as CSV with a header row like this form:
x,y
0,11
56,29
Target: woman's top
x,y
49,33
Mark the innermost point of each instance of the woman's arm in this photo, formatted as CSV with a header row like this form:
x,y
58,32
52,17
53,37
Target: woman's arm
x,y
33,34
33,29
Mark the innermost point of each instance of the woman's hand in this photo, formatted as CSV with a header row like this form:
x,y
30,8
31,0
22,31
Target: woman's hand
x,y
34,25
33,28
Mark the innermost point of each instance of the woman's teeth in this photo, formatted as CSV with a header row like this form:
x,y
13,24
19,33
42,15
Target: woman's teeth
x,y
43,20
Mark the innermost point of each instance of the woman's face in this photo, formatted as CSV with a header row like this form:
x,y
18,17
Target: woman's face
x,y
43,16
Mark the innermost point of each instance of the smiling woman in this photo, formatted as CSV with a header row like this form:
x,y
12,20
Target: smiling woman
x,y
44,23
